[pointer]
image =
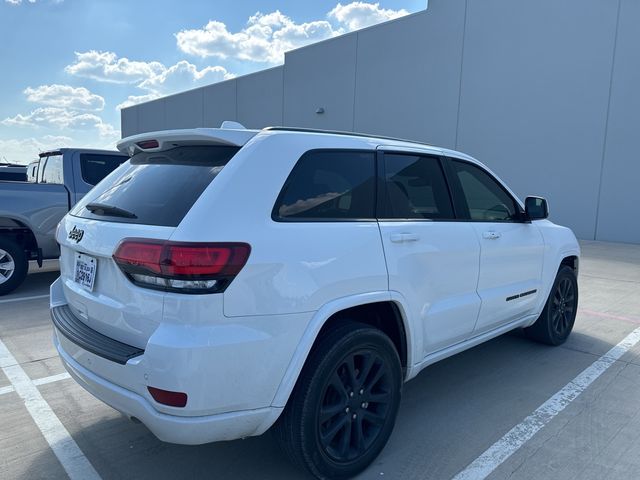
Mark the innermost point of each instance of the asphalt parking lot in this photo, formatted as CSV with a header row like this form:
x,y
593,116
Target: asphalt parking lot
x,y
472,415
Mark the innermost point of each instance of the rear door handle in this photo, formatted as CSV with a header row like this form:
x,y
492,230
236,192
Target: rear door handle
x,y
404,237
491,235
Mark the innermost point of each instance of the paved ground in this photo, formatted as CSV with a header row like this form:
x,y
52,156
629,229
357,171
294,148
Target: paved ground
x,y
450,414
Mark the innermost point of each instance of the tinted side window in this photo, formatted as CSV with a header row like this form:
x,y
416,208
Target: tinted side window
x,y
329,185
94,167
486,199
416,188
53,170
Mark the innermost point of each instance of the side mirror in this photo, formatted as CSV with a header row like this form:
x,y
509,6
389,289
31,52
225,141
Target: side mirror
x,y
536,208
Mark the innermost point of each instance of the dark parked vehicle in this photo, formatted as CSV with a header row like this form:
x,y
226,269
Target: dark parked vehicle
x,y
30,210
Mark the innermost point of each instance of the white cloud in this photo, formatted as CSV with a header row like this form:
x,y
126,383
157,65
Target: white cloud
x,y
266,37
61,119
107,67
65,96
356,15
108,131
136,99
26,150
154,77
184,75
18,2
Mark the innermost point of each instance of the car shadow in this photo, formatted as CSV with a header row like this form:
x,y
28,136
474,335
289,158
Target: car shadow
x,y
450,413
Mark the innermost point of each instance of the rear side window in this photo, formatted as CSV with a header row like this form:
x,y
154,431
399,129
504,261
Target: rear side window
x,y
94,167
53,170
32,172
329,185
158,188
416,188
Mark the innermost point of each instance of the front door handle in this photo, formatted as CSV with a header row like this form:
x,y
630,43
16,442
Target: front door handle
x,y
491,235
404,237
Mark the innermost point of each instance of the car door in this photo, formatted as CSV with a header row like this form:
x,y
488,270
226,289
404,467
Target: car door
x,y
432,260
511,248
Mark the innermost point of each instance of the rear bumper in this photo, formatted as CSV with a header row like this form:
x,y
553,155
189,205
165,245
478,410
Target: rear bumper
x,y
71,327
230,368
170,428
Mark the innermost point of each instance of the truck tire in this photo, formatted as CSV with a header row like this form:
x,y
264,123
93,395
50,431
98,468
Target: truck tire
x,y
13,265
344,405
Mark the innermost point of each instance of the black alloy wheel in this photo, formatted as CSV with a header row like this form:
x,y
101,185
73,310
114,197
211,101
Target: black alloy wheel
x,y
354,406
344,405
563,307
556,321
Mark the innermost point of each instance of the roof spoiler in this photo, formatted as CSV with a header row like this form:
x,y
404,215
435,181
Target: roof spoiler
x,y
51,152
230,133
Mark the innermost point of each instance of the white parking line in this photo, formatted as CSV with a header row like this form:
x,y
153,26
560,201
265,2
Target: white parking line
x,y
19,299
7,389
51,379
64,447
515,438
38,381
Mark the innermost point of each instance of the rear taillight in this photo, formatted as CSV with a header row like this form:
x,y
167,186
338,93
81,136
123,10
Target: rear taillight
x,y
179,266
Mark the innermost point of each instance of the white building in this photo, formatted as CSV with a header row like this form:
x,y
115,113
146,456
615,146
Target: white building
x,y
556,82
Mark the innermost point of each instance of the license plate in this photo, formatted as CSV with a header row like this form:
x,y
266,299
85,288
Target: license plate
x,y
85,270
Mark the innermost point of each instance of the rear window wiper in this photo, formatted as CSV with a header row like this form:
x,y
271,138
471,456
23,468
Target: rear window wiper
x,y
103,209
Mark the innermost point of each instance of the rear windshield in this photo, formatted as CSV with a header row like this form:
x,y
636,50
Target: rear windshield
x,y
157,188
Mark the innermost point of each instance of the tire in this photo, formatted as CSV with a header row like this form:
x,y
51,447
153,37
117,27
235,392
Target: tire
x,y
329,428
556,321
15,263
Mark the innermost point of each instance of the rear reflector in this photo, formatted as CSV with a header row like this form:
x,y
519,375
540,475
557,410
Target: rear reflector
x,y
180,266
165,397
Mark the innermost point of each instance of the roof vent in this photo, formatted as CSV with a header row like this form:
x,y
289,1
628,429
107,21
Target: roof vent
x,y
229,125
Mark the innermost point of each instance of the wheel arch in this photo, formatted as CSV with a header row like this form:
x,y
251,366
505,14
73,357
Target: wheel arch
x,y
19,231
354,308
572,261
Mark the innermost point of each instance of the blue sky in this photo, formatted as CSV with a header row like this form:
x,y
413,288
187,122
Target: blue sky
x,y
68,66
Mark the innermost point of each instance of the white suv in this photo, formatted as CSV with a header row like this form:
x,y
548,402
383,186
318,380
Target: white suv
x,y
226,280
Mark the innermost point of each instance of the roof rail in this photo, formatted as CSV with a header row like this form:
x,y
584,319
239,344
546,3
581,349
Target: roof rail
x,y
342,132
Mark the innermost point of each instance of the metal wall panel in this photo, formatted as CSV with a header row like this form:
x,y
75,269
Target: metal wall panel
x,y
219,103
321,76
260,98
618,218
535,89
151,116
185,110
129,121
408,75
